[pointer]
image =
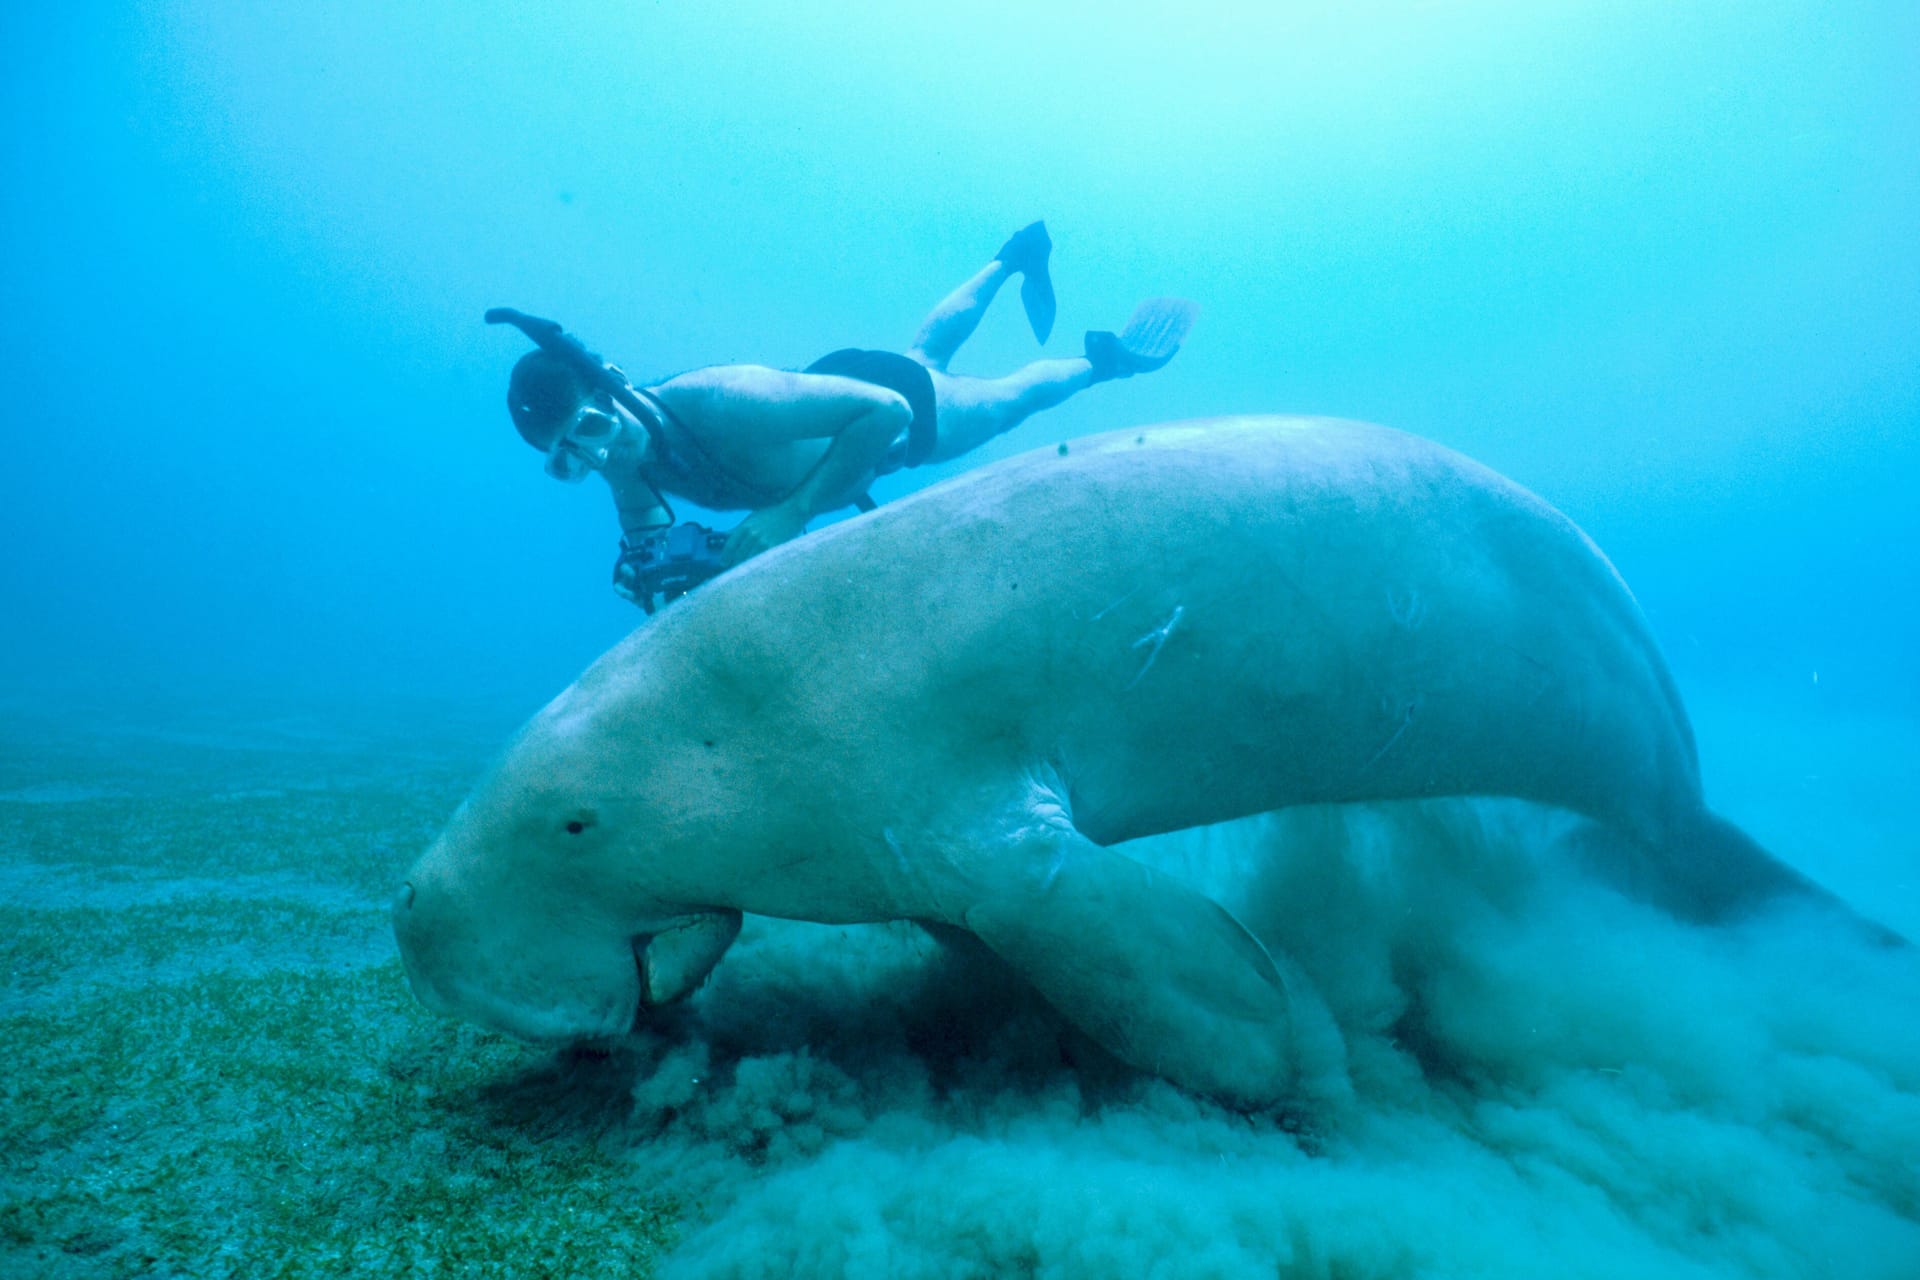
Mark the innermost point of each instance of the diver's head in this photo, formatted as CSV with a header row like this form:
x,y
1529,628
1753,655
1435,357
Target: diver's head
x,y
542,394
559,413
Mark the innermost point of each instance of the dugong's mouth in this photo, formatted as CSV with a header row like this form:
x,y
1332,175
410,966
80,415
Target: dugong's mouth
x,y
673,962
642,1007
532,977
568,1014
553,1024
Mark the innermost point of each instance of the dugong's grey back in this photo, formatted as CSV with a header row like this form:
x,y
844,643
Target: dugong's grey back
x,y
1191,623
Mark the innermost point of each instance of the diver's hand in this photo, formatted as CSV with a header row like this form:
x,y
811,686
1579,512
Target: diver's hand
x,y
767,527
626,577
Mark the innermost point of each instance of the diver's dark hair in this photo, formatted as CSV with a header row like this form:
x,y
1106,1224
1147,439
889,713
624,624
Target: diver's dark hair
x,y
541,395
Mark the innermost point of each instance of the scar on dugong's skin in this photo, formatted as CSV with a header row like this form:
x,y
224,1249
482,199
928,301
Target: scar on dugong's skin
x,y
947,710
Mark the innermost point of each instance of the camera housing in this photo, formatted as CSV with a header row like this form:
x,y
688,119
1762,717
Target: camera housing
x,y
667,563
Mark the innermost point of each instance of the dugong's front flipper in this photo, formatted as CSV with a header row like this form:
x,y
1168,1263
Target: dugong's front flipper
x,y
1163,977
679,958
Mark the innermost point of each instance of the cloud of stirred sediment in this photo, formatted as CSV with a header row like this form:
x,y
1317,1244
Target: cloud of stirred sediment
x,y
1551,1080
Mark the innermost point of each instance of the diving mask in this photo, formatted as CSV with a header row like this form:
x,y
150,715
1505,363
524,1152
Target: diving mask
x,y
583,444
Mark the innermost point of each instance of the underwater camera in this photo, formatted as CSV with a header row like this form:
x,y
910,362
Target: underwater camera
x,y
667,563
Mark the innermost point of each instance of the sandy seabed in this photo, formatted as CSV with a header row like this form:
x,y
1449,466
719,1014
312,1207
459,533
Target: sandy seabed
x,y
215,1068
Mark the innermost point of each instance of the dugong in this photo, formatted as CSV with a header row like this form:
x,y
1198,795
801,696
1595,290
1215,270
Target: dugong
x,y
948,710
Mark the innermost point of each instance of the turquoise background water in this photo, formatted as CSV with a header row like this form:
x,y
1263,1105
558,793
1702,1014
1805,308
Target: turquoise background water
x,y
1658,262
279,575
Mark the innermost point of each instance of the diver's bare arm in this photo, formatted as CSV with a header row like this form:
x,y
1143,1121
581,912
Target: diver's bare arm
x,y
750,413
847,467
641,514
638,505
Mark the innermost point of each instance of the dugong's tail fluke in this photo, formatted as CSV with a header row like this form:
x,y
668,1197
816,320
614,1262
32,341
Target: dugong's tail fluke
x,y
1737,876
1720,873
1709,871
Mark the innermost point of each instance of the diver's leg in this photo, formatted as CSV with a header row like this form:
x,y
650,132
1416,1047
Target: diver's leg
x,y
1162,976
953,321
975,410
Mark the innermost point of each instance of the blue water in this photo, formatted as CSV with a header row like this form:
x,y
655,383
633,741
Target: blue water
x,y
1659,263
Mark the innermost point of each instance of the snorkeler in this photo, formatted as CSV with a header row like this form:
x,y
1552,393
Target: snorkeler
x,y
788,446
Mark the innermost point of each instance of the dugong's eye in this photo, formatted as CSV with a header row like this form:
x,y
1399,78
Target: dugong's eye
x,y
578,823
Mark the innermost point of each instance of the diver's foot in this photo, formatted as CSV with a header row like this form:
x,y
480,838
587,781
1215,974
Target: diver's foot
x,y
1151,338
1026,249
1025,253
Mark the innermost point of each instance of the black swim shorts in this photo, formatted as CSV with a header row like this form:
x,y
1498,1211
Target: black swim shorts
x,y
895,373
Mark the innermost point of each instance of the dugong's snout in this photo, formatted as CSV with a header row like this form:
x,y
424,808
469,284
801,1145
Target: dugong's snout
x,y
549,981
415,946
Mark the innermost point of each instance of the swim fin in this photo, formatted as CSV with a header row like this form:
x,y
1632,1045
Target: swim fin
x,y
1026,252
1151,338
1036,295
